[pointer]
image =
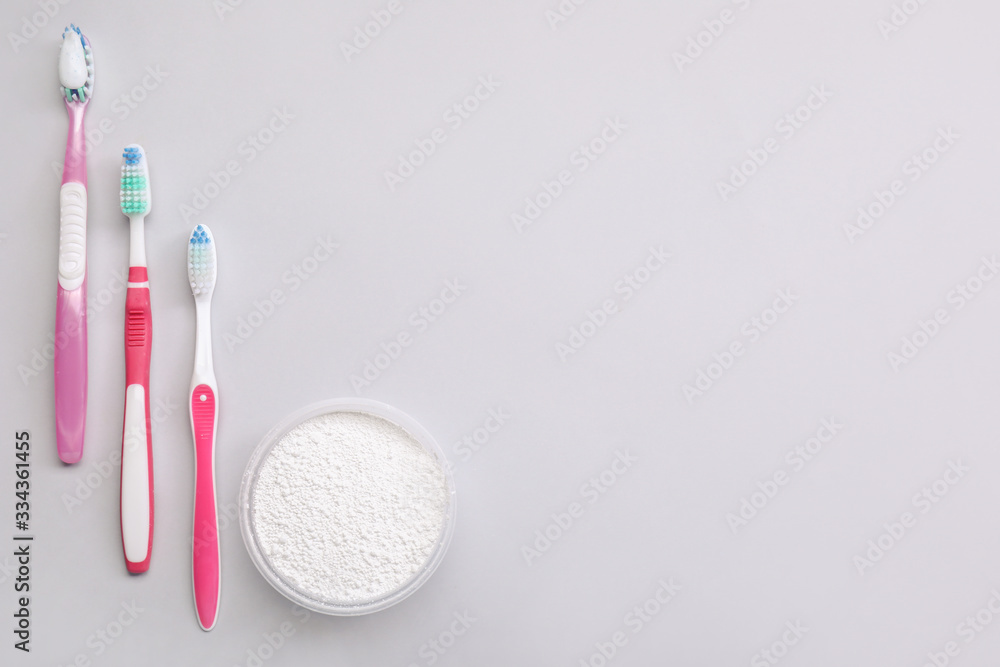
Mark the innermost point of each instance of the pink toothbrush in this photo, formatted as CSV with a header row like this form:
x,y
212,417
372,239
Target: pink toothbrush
x,y
137,441
76,76
206,564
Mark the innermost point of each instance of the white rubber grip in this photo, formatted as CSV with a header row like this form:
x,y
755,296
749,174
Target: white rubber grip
x,y
72,235
135,477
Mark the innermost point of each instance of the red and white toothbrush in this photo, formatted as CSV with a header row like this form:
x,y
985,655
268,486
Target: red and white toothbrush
x,y
137,441
205,561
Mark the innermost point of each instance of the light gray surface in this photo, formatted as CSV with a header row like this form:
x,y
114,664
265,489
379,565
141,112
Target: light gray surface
x,y
222,77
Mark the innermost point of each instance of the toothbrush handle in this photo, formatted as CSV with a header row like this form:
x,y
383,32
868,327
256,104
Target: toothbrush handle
x,y
70,343
137,442
206,563
70,365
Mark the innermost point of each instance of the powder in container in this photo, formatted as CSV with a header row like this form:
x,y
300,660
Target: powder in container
x,y
348,507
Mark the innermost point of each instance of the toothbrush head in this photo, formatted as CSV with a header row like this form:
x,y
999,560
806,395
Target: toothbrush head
x,y
136,196
201,261
76,66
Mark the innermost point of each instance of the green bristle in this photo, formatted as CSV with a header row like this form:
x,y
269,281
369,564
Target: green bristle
x,y
134,183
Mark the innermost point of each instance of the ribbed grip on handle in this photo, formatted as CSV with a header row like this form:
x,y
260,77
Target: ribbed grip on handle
x,y
70,364
206,563
137,441
72,235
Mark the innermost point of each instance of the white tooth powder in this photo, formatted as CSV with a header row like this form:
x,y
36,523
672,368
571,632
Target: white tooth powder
x,y
348,507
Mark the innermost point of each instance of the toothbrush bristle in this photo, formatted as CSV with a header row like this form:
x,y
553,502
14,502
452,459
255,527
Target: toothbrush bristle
x,y
201,261
135,191
80,94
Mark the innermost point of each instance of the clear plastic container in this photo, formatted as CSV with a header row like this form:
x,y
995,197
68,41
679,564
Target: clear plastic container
x,y
248,485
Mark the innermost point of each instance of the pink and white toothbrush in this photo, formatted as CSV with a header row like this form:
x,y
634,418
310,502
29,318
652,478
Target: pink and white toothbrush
x,y
137,440
206,564
76,77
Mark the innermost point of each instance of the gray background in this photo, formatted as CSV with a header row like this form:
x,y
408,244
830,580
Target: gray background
x,y
224,73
